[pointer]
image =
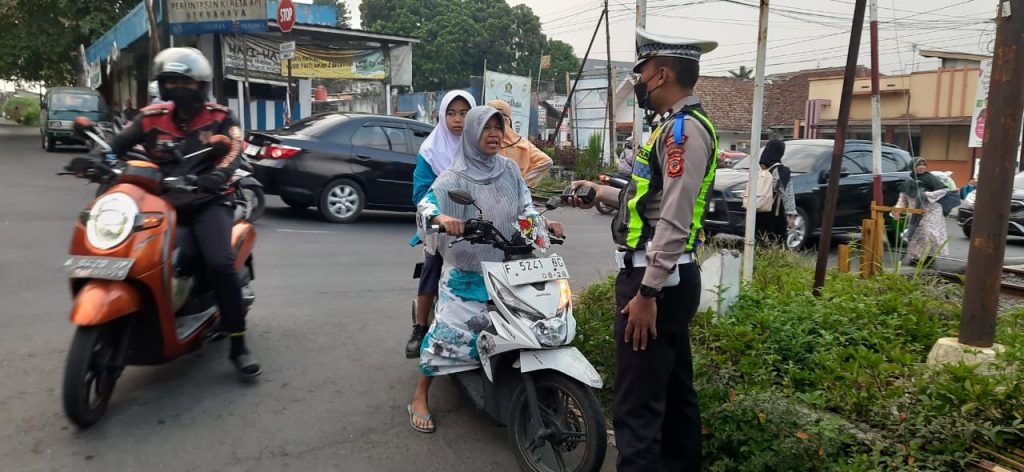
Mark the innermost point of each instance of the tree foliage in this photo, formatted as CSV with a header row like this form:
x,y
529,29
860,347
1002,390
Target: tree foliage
x,y
40,38
742,73
459,36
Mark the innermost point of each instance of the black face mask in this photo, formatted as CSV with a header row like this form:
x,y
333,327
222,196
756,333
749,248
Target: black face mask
x,y
185,99
643,96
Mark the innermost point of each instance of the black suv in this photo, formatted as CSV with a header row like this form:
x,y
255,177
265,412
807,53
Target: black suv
x,y
810,161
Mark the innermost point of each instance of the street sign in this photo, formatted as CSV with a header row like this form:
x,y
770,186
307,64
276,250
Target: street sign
x,y
287,50
285,15
193,18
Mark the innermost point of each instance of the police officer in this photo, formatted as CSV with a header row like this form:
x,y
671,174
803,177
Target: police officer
x,y
657,290
181,125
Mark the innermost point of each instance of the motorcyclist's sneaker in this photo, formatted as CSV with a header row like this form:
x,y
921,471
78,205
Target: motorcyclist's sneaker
x,y
412,348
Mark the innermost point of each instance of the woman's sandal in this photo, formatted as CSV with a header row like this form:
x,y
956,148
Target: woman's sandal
x,y
413,415
246,366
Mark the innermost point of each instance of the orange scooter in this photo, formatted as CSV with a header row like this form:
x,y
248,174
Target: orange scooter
x,y
139,292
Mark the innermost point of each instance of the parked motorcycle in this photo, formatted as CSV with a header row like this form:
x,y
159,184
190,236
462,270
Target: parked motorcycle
x,y
140,294
531,378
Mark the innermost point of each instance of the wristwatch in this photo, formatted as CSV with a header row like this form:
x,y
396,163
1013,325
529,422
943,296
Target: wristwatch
x,y
649,292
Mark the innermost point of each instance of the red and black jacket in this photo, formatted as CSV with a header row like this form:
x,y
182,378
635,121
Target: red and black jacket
x,y
158,131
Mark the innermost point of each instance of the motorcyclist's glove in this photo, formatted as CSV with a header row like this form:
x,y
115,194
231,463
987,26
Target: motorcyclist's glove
x,y
211,182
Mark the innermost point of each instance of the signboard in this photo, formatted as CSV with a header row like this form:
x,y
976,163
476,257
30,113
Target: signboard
x,y
978,117
516,91
264,57
95,75
334,64
265,61
287,50
216,16
542,116
285,15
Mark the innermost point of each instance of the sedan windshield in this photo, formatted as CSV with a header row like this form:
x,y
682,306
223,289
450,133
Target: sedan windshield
x,y
800,158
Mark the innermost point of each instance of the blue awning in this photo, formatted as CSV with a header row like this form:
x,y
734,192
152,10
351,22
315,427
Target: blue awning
x,y
133,26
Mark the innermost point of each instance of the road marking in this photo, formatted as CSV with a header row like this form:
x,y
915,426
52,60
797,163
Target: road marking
x,y
304,231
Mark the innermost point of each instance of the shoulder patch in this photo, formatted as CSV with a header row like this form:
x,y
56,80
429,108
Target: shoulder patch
x,y
674,156
154,111
217,107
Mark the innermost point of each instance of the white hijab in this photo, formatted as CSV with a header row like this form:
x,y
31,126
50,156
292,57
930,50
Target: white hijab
x,y
440,147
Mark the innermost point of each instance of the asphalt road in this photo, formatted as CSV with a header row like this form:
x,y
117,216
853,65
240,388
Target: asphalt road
x,y
329,324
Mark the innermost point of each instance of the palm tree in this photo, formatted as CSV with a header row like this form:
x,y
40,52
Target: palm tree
x,y
742,72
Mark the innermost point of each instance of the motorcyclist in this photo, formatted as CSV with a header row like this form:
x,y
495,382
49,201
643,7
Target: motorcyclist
x,y
180,126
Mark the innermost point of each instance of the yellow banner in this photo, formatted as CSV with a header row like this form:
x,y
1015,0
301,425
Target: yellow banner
x,y
327,64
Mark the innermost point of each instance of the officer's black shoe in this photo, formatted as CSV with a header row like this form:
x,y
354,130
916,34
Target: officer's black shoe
x,y
412,348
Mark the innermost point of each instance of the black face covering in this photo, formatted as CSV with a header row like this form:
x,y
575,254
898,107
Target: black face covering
x,y
185,99
643,96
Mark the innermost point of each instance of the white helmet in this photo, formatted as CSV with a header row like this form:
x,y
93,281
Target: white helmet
x,y
154,89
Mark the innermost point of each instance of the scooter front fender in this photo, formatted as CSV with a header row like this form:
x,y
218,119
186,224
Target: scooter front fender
x,y
567,360
102,301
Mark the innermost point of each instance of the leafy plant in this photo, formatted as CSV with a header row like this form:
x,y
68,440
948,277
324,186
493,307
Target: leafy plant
x,y
588,163
788,381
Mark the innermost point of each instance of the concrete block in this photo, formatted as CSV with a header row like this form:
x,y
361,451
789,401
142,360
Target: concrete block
x,y
949,350
720,280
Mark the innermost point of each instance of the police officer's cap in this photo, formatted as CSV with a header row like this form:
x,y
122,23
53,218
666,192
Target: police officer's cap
x,y
650,45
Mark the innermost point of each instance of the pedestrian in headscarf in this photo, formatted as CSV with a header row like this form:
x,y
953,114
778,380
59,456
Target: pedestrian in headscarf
x,y
926,234
774,225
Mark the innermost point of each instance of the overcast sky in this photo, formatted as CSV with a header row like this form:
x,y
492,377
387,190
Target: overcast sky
x,y
802,34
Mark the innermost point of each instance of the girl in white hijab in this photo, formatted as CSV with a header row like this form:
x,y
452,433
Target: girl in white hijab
x,y
435,156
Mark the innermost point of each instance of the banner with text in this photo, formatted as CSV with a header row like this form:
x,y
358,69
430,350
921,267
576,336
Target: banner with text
x,y
217,16
331,64
979,114
513,89
263,56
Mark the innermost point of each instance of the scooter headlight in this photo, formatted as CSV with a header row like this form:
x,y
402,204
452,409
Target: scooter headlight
x,y
111,219
513,303
551,332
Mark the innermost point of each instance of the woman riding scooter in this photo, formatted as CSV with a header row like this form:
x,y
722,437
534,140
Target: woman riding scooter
x,y
180,126
461,312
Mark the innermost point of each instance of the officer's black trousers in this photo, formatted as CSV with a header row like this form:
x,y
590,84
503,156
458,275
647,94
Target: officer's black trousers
x,y
656,415
211,226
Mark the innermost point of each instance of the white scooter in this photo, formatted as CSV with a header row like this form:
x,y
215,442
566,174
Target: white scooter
x,y
530,378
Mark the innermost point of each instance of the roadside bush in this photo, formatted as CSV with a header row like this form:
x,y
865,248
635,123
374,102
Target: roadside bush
x,y
788,381
588,163
29,109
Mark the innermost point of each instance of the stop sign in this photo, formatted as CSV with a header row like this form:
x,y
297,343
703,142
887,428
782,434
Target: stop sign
x,y
285,15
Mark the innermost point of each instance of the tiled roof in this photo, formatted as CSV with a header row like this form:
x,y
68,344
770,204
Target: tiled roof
x,y
728,101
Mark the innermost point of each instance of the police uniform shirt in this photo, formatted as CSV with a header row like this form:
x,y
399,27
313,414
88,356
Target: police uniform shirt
x,y
670,212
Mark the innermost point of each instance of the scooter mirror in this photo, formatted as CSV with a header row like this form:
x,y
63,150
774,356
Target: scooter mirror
x,y
461,196
81,125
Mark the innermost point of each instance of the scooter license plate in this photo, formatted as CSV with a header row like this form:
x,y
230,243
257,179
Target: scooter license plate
x,y
251,149
529,271
95,267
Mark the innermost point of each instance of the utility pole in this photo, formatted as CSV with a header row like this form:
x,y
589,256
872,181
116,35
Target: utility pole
x,y
611,88
1001,144
568,100
876,112
638,113
832,194
755,144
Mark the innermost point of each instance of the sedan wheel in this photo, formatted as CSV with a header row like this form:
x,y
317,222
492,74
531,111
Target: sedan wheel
x,y
342,201
796,238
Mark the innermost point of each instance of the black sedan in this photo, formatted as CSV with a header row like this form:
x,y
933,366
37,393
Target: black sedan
x,y
341,163
809,160
965,214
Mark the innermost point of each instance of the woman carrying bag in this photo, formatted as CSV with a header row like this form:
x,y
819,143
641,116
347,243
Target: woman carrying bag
x,y
774,224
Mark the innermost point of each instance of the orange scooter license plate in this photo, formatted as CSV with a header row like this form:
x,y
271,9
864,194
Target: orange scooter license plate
x,y
96,267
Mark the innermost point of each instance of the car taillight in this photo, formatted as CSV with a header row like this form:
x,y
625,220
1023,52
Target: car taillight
x,y
278,151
